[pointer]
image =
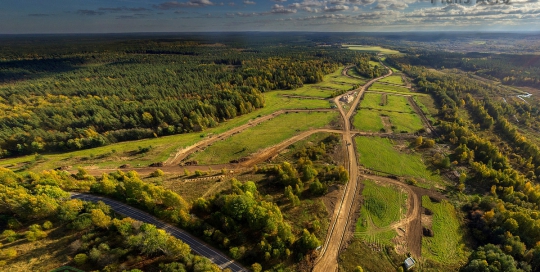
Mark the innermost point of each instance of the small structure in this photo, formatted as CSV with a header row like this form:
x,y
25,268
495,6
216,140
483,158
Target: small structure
x,y
347,98
409,263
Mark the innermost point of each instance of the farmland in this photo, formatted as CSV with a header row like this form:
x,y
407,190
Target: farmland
x,y
262,136
381,154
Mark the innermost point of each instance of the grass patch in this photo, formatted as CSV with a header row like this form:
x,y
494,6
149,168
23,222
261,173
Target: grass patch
x,y
401,114
358,253
368,120
383,205
393,80
445,246
376,49
261,136
388,88
380,154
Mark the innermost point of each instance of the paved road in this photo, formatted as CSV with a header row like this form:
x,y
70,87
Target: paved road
x,y
328,261
196,245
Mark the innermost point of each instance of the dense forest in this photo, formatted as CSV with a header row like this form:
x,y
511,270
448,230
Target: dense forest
x,y
127,90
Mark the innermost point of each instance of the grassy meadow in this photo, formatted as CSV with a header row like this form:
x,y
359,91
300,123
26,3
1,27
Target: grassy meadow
x,y
261,136
446,244
381,154
393,79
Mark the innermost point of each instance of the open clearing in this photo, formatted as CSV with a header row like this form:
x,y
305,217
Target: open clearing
x,y
382,206
376,49
261,136
331,85
397,109
380,154
446,243
393,80
368,120
390,88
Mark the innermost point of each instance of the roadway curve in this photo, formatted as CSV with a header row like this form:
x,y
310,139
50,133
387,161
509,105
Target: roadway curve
x,y
328,260
196,245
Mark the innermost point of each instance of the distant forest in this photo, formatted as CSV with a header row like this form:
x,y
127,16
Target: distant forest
x,y
64,94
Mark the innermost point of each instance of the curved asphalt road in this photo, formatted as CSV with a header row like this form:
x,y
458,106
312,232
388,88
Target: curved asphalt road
x,y
196,245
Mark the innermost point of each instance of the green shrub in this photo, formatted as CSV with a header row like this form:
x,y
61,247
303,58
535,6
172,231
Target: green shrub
x,y
80,258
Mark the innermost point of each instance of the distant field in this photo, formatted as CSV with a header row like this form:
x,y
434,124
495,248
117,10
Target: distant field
x,y
383,205
392,102
381,154
389,88
404,122
393,79
261,136
376,49
327,88
445,246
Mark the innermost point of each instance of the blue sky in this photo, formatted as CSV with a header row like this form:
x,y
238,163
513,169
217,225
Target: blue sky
x,y
100,16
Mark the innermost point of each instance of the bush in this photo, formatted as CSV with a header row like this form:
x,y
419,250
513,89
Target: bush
x,y
157,173
80,258
47,225
10,235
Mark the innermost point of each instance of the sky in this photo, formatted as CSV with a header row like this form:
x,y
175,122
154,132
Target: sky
x,y
118,16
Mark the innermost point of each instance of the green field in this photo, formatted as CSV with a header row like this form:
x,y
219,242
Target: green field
x,y
261,136
380,154
331,83
383,205
394,79
389,88
446,244
393,102
402,116
368,120
376,49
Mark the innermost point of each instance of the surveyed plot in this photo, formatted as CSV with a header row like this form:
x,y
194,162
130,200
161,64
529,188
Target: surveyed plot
x,y
382,206
391,112
446,244
378,87
262,136
394,79
380,154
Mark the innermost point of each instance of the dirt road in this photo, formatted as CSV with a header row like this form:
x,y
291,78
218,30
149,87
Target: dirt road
x,y
328,260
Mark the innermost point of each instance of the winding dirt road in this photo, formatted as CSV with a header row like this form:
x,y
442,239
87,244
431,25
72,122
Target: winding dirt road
x,y
328,260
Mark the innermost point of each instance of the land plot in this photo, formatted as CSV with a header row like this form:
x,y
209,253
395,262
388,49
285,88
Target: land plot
x,y
388,88
446,244
261,136
394,79
380,154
